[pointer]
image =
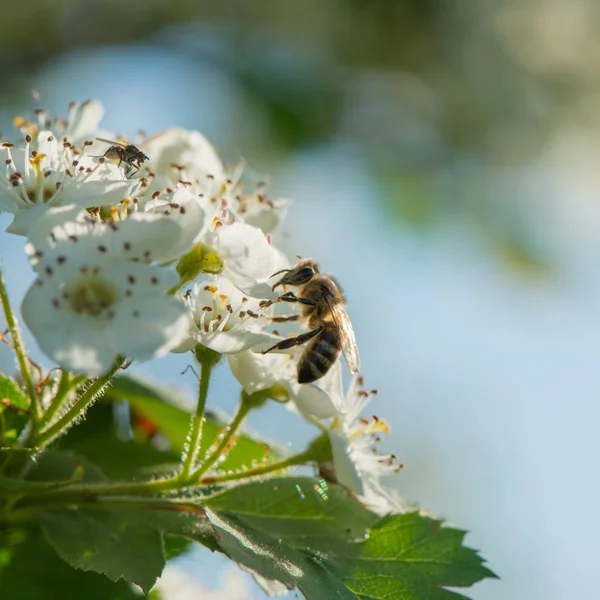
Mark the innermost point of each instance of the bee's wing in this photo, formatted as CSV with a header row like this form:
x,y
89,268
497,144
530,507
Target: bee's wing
x,y
349,347
111,142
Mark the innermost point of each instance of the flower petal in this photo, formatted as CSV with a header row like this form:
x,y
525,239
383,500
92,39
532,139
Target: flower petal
x,y
150,328
346,470
249,259
76,343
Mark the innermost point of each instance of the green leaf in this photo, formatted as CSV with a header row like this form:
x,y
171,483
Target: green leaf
x,y
305,510
288,530
97,439
411,557
285,529
51,470
122,545
31,570
274,559
14,410
164,409
59,466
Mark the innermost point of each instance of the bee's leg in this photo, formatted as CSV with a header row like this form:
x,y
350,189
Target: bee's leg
x,y
294,341
290,297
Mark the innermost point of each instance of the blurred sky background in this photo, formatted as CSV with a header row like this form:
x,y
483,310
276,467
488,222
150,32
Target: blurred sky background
x,y
443,162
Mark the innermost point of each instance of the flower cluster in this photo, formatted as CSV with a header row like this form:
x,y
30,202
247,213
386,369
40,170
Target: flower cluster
x,y
138,252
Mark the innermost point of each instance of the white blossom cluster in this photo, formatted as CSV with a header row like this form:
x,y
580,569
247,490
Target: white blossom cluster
x,y
138,262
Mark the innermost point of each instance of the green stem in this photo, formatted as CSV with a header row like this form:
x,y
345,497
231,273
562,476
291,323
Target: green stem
x,y
26,513
192,447
292,461
64,386
19,348
81,404
91,492
243,409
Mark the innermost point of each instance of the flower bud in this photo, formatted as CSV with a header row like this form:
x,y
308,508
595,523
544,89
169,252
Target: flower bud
x,y
200,259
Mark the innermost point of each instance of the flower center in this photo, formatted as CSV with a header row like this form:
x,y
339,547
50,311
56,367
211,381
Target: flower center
x,y
47,193
91,295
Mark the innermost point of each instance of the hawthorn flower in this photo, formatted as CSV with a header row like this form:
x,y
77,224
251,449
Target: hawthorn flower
x,y
224,319
356,464
178,156
98,292
261,372
47,170
277,372
249,258
82,122
260,211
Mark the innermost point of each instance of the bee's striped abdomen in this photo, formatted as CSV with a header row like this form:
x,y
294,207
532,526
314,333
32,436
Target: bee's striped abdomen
x,y
320,355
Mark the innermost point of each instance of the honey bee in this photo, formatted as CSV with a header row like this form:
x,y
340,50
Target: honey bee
x,y
129,154
322,309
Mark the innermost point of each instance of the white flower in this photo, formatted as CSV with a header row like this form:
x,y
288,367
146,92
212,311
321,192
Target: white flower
x,y
225,320
258,210
184,210
96,296
356,464
168,232
257,372
49,171
82,122
178,155
249,259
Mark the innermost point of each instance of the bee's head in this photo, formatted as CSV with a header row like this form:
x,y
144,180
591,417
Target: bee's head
x,y
302,273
